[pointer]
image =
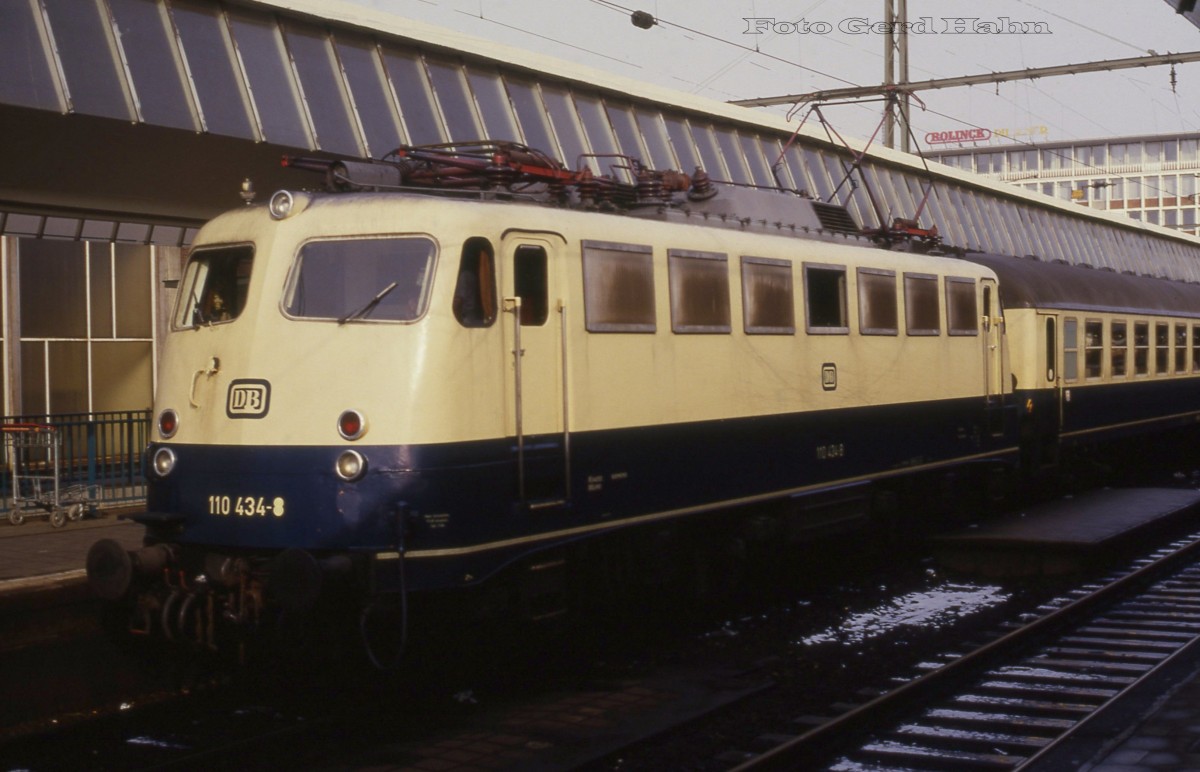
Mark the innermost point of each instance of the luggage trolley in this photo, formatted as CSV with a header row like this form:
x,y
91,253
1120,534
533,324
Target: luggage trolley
x,y
34,460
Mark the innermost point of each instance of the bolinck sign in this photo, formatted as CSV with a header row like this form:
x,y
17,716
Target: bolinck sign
x,y
248,398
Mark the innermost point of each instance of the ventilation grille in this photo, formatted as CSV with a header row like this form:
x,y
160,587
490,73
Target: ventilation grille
x,y
834,217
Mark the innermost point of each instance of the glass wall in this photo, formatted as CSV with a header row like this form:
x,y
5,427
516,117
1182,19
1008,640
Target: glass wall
x,y
265,76
87,322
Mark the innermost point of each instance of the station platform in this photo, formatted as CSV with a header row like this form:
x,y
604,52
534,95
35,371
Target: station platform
x,y
1065,535
36,553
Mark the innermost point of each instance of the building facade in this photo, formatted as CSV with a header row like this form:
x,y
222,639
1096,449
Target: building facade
x,y
1148,178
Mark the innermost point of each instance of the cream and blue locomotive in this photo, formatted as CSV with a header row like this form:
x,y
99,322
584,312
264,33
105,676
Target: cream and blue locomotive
x,y
396,388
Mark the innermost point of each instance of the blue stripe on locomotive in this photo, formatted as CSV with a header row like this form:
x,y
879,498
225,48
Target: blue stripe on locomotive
x,y
458,497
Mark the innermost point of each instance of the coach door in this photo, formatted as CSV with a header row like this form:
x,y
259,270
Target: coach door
x,y
993,356
534,333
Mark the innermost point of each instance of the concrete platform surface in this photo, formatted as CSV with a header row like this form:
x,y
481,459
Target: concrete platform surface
x,y
1086,520
1064,535
35,553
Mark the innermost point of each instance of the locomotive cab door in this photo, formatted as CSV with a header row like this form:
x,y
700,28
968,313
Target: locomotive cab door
x,y
534,339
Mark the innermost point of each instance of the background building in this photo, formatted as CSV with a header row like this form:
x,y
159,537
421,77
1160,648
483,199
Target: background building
x,y
1150,178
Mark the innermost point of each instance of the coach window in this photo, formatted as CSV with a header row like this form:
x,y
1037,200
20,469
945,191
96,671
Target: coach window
x,y
475,290
921,313
214,286
878,307
1093,348
618,287
768,303
962,315
699,291
529,284
1120,347
1181,348
1141,348
1162,348
1070,344
825,296
1196,348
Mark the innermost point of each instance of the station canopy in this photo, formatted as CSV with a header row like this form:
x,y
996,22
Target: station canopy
x,y
136,120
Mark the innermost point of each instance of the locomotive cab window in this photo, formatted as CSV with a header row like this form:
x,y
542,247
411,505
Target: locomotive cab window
x,y
214,286
921,312
618,287
375,279
475,289
825,299
699,291
768,302
878,307
962,314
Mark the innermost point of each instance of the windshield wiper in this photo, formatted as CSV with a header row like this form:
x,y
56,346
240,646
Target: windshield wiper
x,y
369,306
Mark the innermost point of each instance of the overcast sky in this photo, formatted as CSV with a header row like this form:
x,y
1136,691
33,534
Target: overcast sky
x,y
704,47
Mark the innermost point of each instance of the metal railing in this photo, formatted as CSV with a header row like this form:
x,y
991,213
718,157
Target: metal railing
x,y
99,452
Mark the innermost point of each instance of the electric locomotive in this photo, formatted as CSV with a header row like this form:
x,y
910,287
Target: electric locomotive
x,y
469,364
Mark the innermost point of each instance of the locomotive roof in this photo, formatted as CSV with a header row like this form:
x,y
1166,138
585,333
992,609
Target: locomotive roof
x,y
1032,283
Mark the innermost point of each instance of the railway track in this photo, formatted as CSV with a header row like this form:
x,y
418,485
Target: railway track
x,y
1043,696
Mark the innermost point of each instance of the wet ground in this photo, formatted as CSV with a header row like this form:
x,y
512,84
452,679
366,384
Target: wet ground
x,y
834,618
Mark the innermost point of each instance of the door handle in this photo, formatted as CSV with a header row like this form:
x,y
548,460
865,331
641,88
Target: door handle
x,y
214,367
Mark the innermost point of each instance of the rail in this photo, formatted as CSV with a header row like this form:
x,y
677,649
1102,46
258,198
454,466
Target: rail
x,y
844,736
101,451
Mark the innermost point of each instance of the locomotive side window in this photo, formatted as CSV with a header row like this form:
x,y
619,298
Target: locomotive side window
x,y
529,283
878,307
962,314
1162,348
699,291
1141,347
618,287
1181,348
1120,347
376,279
1070,335
475,290
214,286
921,312
1093,347
768,301
1196,348
825,296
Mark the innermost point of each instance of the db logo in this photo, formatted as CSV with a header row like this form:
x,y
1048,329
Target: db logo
x,y
248,398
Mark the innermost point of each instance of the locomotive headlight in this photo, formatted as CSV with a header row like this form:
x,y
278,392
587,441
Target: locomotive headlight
x,y
352,424
350,465
168,423
281,204
163,461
